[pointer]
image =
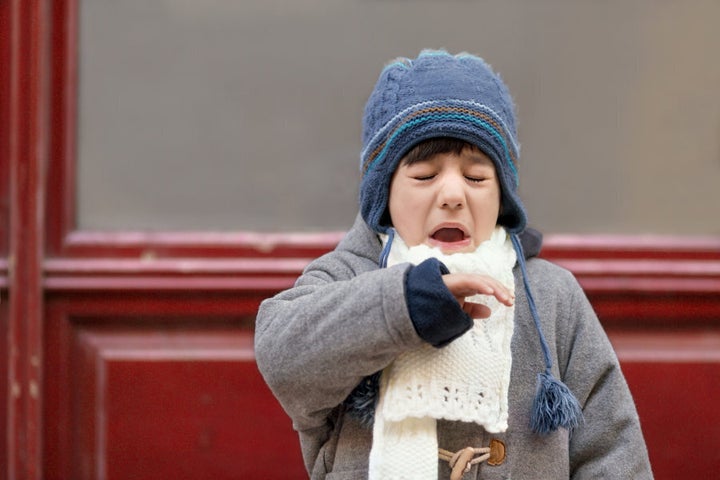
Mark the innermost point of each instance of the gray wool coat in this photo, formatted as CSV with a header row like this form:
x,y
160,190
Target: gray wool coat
x,y
346,318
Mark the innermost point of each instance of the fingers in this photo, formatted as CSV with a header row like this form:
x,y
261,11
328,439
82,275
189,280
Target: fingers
x,y
476,310
463,285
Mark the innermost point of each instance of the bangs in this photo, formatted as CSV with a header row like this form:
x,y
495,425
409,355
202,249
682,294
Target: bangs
x,y
434,146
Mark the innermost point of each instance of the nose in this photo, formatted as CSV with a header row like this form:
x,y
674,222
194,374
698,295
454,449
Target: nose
x,y
451,194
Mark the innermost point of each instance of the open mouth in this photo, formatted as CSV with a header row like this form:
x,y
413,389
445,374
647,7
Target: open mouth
x,y
449,235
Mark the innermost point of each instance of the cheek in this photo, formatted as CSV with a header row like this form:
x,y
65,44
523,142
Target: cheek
x,y
400,197
494,199
408,202
486,208
407,214
402,209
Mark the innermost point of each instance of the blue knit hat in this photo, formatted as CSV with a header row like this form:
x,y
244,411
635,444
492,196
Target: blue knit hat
x,y
438,95
458,96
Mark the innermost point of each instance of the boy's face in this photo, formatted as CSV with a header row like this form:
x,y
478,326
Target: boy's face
x,y
450,201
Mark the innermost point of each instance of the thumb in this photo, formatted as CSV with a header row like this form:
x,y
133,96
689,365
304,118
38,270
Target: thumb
x,y
476,310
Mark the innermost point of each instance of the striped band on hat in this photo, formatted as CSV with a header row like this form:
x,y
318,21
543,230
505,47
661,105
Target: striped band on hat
x,y
475,114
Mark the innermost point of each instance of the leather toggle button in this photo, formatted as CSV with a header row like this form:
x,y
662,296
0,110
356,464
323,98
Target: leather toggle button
x,y
497,452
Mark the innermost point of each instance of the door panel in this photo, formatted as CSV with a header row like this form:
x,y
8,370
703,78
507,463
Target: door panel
x,y
148,397
674,377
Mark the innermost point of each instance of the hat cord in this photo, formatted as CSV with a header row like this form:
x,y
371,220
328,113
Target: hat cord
x,y
554,405
386,249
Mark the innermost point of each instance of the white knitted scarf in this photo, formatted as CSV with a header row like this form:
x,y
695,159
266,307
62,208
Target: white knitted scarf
x,y
466,380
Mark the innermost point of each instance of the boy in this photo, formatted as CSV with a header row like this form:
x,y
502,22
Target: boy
x,y
431,343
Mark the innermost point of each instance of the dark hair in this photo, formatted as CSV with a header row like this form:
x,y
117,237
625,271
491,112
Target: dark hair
x,y
434,146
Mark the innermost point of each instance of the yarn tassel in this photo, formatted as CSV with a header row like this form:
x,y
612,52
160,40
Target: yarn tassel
x,y
362,400
554,406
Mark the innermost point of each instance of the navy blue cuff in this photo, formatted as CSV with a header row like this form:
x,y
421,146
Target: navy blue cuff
x,y
435,313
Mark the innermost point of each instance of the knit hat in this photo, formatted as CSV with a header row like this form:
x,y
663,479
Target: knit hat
x,y
458,96
438,95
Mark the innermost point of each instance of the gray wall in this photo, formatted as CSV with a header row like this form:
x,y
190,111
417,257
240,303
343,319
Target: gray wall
x,y
245,115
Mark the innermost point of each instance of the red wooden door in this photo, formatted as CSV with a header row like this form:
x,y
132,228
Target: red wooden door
x,y
129,354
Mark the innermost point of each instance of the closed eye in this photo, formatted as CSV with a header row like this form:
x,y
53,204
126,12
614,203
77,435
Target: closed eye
x,y
424,178
476,179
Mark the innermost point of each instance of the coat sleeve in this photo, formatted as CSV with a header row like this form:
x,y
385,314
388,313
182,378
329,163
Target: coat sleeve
x,y
609,443
343,320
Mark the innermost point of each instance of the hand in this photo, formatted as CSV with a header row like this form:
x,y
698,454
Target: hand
x,y
463,285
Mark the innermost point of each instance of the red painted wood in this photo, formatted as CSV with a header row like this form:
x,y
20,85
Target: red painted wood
x,y
680,417
675,380
63,105
5,76
623,292
264,275
4,397
176,396
658,311
203,418
195,244
27,157
618,247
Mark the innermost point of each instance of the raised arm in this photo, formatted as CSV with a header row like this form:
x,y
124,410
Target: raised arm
x,y
342,321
